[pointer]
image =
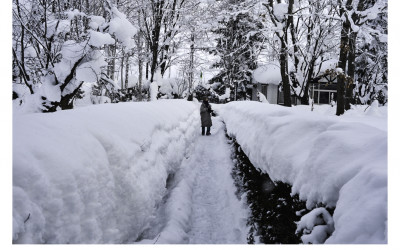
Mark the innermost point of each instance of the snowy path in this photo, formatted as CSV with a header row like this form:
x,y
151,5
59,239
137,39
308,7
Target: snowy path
x,y
202,207
217,215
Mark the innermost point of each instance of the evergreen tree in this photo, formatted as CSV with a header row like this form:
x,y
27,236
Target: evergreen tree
x,y
371,63
238,46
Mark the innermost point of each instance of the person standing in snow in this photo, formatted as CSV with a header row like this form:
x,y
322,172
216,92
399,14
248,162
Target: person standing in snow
x,y
205,113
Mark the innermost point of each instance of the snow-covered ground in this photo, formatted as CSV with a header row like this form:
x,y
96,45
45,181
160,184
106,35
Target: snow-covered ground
x,y
202,207
124,173
218,216
338,161
141,172
96,174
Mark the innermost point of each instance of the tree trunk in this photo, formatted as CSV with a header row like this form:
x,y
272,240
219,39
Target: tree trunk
x,y
293,34
66,101
122,70
111,61
140,59
155,36
191,63
305,99
154,53
344,48
351,71
164,59
284,74
127,70
283,61
147,61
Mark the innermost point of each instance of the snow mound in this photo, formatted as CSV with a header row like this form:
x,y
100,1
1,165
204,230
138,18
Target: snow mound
x,y
96,174
333,160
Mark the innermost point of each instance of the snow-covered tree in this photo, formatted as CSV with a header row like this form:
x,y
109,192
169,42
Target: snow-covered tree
x,y
315,43
371,62
66,47
281,15
238,45
354,14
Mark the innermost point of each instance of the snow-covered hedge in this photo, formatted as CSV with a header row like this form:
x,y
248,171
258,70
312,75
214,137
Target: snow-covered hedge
x,y
338,161
96,174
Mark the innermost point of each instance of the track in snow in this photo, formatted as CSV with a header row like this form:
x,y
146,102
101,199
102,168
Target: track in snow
x,y
217,214
200,206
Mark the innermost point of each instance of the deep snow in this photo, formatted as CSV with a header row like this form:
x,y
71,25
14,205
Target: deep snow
x,y
140,172
96,174
338,161
124,173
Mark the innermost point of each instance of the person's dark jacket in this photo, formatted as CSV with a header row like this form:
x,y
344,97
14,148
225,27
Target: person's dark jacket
x,y
205,113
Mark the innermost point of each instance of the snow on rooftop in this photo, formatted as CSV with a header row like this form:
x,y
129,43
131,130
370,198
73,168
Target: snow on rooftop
x,y
270,73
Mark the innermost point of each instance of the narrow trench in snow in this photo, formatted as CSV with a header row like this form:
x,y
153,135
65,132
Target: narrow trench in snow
x,y
274,212
151,233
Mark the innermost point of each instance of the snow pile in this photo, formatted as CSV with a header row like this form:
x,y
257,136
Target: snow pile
x,y
316,226
96,174
338,161
261,97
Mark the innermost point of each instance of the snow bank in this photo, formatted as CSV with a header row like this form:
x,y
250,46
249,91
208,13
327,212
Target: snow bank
x,y
96,174
334,160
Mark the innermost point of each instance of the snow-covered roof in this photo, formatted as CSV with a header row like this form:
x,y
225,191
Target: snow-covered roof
x,y
269,73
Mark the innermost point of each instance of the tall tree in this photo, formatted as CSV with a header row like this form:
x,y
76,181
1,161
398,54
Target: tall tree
x,y
371,62
315,35
354,15
279,13
238,46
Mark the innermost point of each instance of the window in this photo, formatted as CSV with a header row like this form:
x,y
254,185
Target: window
x,y
323,98
324,94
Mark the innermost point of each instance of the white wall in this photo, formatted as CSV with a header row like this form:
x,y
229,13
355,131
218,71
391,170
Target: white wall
x,y
272,94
